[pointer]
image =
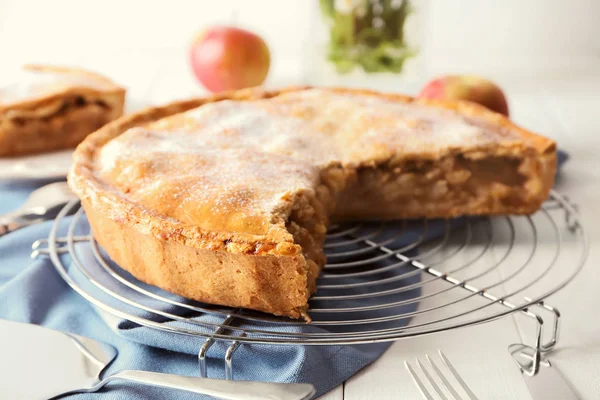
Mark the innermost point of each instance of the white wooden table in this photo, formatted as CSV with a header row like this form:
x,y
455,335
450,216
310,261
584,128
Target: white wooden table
x,y
566,110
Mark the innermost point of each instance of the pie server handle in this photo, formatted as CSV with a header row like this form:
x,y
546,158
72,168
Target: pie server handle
x,y
222,389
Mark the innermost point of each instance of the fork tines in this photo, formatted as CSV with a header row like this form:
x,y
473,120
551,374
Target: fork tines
x,y
438,377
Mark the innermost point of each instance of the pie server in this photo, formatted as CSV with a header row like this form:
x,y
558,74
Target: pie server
x,y
41,363
547,383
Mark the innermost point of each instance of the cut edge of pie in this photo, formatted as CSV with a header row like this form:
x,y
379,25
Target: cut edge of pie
x,y
277,272
58,118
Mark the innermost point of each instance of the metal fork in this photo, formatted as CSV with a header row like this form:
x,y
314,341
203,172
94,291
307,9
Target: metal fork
x,y
442,377
42,204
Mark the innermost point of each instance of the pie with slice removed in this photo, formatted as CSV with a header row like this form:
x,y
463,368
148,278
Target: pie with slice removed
x,y
48,108
227,199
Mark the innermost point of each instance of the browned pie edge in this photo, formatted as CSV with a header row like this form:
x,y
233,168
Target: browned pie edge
x,y
200,264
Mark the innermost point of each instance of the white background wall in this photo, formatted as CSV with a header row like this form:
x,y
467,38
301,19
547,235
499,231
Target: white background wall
x,y
551,37
507,37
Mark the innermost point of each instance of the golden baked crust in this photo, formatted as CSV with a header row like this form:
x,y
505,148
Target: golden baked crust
x,y
50,108
226,199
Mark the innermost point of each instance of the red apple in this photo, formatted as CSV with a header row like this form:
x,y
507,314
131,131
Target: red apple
x,y
467,87
227,58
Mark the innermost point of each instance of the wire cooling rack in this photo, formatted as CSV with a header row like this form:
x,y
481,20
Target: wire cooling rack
x,y
383,281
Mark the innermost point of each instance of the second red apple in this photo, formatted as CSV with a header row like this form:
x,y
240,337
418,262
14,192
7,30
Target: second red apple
x,y
467,87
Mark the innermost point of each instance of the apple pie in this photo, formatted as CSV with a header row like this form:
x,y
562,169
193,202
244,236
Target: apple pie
x,y
51,108
227,199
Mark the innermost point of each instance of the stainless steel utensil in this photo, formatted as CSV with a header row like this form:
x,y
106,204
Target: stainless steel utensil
x,y
41,363
42,204
547,383
441,377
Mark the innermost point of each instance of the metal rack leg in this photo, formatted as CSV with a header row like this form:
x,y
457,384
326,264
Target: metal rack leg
x,y
207,345
532,364
529,358
202,356
551,343
229,358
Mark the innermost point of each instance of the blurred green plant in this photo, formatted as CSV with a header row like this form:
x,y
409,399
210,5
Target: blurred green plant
x,y
367,33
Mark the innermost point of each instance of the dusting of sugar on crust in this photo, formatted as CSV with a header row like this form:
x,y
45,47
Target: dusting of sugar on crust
x,y
222,189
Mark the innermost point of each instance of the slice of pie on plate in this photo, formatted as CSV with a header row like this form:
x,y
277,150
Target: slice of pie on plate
x,y
51,108
226,199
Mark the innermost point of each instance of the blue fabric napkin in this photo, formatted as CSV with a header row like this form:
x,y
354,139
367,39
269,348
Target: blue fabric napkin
x,y
32,291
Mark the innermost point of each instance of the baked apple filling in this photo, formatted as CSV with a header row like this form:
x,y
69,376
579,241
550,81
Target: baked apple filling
x,y
308,225
55,109
442,187
308,220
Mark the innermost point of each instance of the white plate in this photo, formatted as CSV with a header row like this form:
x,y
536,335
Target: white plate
x,y
43,166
